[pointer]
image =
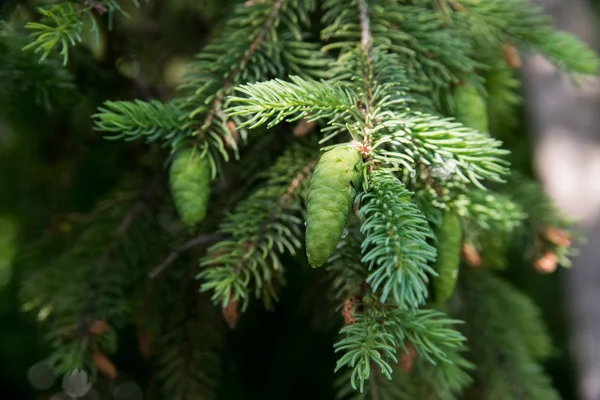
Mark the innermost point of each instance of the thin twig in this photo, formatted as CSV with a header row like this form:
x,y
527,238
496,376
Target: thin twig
x,y
366,41
366,38
302,175
190,244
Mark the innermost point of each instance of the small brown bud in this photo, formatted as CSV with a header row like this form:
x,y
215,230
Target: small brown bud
x,y
98,8
471,255
348,310
231,313
98,327
456,6
408,358
144,344
104,365
303,127
547,263
232,141
511,56
558,236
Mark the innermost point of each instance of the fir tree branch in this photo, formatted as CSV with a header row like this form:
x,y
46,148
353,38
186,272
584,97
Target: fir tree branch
x,y
493,212
190,244
433,53
61,25
24,78
233,75
96,285
452,149
262,226
377,334
395,244
276,100
506,334
490,22
188,365
151,120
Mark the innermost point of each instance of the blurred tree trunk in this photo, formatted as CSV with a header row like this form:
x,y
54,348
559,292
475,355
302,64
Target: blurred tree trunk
x,y
566,125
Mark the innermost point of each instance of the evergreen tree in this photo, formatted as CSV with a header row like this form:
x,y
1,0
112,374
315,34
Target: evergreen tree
x,y
347,154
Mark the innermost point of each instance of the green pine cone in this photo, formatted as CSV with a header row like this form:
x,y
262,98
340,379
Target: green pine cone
x,y
448,257
330,198
190,186
471,109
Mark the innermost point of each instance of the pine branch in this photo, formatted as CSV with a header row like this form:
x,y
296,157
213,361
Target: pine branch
x,y
490,21
24,78
61,26
276,100
395,244
152,121
376,336
233,76
189,367
452,149
490,211
87,282
503,99
261,227
433,54
506,335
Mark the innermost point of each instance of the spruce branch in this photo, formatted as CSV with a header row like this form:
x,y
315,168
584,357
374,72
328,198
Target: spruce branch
x,y
506,335
25,78
348,275
275,101
151,120
261,40
395,243
491,211
87,281
377,335
566,51
188,367
433,53
503,98
489,22
100,270
261,227
233,75
365,341
61,26
462,153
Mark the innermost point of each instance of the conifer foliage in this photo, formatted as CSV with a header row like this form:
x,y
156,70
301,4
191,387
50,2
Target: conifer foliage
x,y
396,186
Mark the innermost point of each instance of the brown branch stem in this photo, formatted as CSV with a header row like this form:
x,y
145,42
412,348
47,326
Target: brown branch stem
x,y
366,37
190,244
